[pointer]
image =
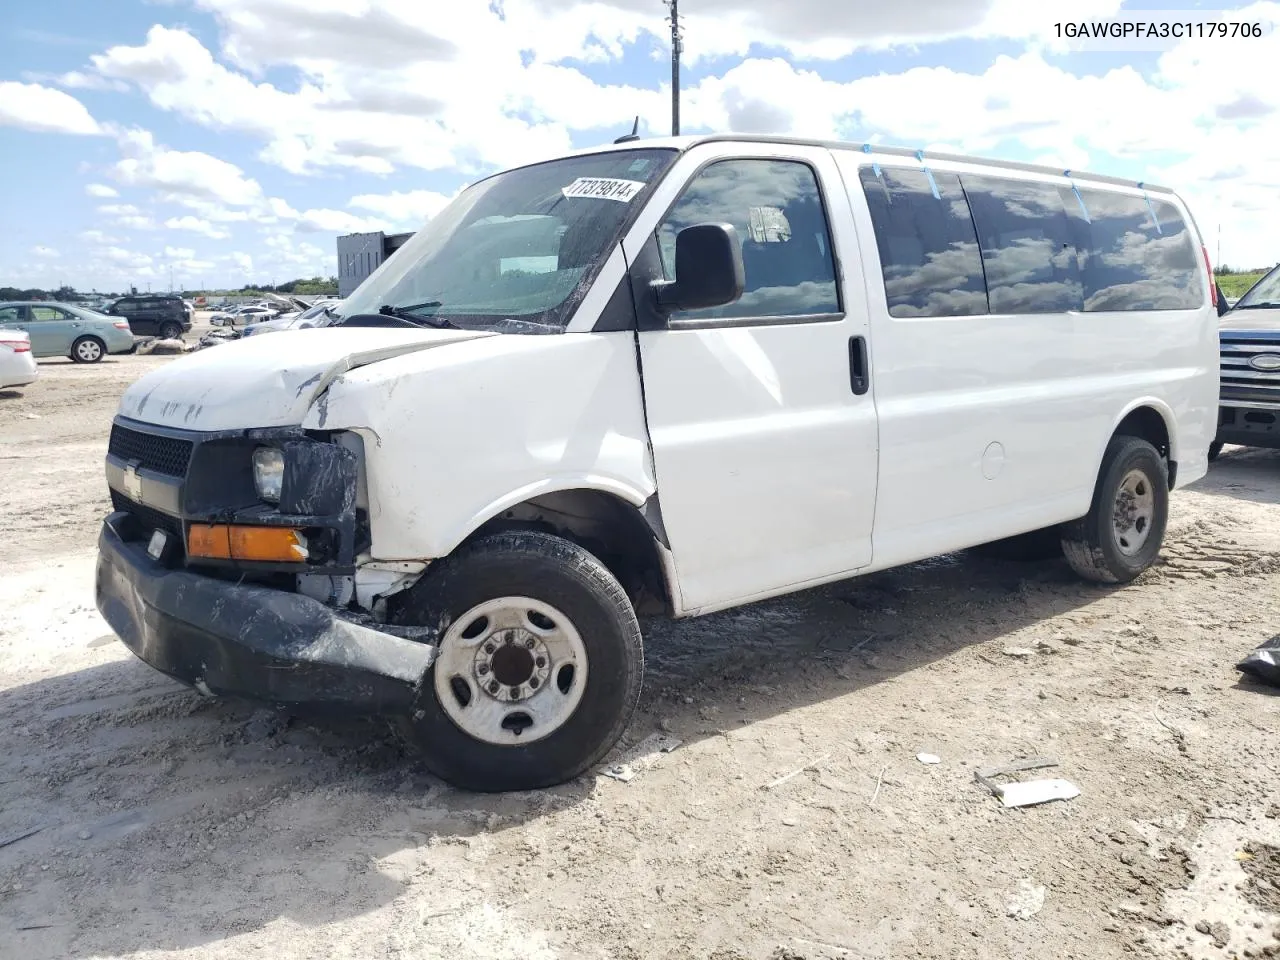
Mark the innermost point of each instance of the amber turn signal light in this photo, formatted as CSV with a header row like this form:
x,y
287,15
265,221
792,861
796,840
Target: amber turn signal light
x,y
234,542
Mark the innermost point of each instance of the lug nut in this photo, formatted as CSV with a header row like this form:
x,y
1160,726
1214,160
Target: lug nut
x,y
541,661
495,687
488,648
482,669
529,643
533,682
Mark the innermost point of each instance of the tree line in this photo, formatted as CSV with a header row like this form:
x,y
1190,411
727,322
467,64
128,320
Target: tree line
x,y
304,286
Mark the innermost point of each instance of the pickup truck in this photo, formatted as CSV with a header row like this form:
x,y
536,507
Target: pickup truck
x,y
1249,333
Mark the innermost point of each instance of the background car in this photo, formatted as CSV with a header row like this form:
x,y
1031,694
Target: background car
x,y
17,363
153,314
316,316
246,314
67,330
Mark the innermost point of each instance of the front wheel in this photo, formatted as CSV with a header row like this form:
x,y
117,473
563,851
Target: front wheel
x,y
87,350
539,667
1121,535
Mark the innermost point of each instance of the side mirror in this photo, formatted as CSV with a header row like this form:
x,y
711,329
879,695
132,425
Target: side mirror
x,y
709,271
1223,306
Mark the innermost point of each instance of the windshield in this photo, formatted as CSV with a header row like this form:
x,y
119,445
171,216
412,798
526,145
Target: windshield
x,y
516,251
314,311
1264,293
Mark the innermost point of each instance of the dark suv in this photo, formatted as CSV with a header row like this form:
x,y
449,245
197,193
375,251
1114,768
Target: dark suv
x,y
154,315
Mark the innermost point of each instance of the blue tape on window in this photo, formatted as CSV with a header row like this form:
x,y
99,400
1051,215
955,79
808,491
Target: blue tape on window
x,y
928,173
875,167
1084,211
1150,209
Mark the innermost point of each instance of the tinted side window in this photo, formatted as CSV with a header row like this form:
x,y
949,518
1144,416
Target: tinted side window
x,y
125,306
1027,245
11,315
928,248
1127,265
786,246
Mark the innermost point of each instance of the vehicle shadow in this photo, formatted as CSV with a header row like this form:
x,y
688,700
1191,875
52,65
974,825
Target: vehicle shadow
x,y
10,394
1243,473
207,818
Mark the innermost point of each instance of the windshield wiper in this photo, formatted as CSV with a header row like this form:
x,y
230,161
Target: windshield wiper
x,y
1265,305
422,320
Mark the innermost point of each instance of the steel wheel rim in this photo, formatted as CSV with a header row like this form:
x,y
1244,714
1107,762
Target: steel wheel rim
x,y
1134,513
511,671
88,351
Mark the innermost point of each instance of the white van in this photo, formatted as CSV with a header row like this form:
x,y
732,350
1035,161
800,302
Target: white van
x,y
677,376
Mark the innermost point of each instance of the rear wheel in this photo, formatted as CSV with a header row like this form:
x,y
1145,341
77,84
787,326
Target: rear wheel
x,y
1121,535
539,667
171,331
88,350
1215,448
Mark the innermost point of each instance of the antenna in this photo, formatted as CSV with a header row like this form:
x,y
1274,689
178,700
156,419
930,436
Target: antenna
x,y
677,47
633,135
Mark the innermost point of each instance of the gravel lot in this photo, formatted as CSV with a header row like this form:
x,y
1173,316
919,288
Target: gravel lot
x,y
171,825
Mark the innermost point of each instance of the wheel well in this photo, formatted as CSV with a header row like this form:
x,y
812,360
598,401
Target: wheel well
x,y
1147,424
613,530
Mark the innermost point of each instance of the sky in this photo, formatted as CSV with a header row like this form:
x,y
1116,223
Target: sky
x,y
214,143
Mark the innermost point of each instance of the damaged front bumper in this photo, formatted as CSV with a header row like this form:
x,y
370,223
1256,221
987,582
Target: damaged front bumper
x,y
232,639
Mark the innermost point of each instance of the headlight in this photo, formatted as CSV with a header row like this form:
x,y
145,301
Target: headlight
x,y
268,473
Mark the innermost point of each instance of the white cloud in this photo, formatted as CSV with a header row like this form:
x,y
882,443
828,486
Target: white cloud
x,y
99,238
126,215
337,221
76,80
31,106
118,209
409,208
196,225
183,173
45,253
101,190
179,253
120,256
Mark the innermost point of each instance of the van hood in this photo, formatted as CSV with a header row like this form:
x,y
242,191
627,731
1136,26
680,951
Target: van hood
x,y
267,381
1251,320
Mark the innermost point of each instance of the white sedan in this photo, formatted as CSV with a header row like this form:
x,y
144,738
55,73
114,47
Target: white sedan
x,y
17,362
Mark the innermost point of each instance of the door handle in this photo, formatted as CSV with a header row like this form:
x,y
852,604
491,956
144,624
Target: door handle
x,y
859,378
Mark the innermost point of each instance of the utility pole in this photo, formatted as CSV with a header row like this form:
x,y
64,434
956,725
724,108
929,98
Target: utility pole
x,y
677,46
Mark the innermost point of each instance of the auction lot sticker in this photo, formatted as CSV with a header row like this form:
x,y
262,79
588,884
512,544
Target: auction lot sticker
x,y
603,188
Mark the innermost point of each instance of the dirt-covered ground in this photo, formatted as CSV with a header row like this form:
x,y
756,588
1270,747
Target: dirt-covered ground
x,y
793,821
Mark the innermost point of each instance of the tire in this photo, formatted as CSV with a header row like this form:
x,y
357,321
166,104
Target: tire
x,y
504,591
1030,547
170,331
1215,448
1132,471
88,350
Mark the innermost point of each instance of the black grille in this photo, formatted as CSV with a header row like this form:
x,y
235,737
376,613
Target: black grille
x,y
148,518
165,455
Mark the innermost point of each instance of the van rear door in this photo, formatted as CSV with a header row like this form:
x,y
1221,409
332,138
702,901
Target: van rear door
x,y
760,413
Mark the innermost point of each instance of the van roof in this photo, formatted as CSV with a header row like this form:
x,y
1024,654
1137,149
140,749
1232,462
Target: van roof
x,y
686,142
